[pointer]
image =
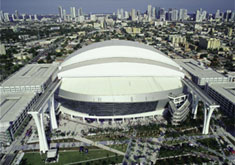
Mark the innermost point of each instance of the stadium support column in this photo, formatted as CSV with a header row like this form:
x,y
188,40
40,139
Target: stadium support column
x,y
52,113
205,118
208,110
195,100
38,118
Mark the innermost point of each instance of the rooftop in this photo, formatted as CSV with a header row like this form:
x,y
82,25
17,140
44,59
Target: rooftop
x,y
227,90
117,48
118,86
231,74
31,75
12,106
198,69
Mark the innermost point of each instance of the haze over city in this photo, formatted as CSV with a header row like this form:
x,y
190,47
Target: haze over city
x,y
109,6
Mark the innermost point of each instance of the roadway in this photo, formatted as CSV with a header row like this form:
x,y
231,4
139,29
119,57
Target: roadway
x,y
50,90
45,52
204,97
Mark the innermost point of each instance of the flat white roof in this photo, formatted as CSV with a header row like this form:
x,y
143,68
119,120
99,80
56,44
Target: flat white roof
x,y
107,86
51,153
12,106
198,69
227,90
31,75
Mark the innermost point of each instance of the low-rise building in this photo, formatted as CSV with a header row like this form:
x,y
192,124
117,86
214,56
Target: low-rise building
x,y
132,30
14,108
209,43
224,94
31,78
177,39
201,74
19,93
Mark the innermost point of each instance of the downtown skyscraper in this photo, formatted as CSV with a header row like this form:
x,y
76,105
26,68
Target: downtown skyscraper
x,y
60,12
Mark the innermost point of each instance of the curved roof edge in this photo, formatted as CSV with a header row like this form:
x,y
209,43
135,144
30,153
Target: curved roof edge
x,y
114,42
118,59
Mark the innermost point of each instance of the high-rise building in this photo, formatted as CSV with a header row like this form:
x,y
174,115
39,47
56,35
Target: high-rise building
x,y
154,13
203,15
17,14
30,17
138,13
227,15
217,14
64,15
80,12
157,12
169,14
133,15
23,17
149,12
183,14
1,16
118,14
198,16
73,12
174,16
232,16
60,12
162,14
126,15
122,13
13,17
35,17
6,17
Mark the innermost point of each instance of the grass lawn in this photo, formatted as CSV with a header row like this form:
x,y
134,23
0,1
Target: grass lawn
x,y
105,138
119,147
110,160
67,157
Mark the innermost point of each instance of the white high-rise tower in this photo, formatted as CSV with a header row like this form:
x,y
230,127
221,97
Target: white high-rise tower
x,y
73,12
149,12
60,12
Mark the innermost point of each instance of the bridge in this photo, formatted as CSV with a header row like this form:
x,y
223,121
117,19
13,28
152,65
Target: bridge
x,y
209,104
45,101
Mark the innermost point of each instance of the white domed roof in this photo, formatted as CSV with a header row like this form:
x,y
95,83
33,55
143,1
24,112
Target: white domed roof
x,y
119,71
118,58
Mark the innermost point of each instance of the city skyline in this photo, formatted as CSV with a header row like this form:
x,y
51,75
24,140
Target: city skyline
x,y
117,82
110,6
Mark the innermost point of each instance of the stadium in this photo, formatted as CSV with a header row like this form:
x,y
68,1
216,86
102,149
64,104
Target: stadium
x,y
115,79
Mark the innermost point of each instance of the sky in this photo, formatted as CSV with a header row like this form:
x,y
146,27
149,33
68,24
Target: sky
x,y
109,6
